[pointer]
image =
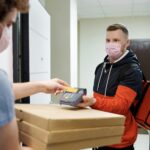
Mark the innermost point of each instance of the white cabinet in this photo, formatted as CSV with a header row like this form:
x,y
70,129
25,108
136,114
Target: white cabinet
x,y
39,53
39,41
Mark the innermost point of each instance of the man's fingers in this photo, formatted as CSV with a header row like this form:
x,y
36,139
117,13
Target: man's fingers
x,y
87,101
82,105
86,98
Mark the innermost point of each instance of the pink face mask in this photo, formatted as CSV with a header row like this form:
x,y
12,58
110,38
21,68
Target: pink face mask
x,y
113,50
4,39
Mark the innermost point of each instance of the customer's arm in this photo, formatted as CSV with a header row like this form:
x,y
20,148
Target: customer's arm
x,y
9,139
29,88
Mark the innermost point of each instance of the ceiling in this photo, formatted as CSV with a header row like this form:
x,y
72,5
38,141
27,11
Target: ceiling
x,y
112,8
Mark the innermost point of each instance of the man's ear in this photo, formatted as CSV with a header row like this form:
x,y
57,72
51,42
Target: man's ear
x,y
128,43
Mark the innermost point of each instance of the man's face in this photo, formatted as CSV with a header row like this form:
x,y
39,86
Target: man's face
x,y
9,20
117,36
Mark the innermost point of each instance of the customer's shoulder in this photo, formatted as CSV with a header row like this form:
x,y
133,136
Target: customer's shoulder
x,y
3,74
4,80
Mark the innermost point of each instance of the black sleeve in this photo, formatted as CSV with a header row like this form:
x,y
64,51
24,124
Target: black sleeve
x,y
132,78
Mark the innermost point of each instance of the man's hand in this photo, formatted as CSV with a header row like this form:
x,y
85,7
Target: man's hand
x,y
87,101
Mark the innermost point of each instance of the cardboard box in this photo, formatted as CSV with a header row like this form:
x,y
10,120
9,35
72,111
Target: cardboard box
x,y
76,145
56,117
55,127
51,137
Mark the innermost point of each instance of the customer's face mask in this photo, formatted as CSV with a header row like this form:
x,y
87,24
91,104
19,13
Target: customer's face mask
x,y
4,39
113,50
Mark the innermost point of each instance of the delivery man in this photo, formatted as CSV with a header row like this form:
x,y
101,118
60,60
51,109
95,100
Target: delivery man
x,y
118,81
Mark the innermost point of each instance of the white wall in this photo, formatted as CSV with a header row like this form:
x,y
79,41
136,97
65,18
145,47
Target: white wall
x,y
63,40
42,2
39,40
73,44
92,43
60,38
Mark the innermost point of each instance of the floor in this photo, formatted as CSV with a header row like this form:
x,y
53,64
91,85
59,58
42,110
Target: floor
x,y
142,142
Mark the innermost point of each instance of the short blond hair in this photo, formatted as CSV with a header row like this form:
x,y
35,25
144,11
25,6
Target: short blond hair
x,y
121,27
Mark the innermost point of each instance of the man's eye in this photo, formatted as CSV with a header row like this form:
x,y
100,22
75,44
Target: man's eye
x,y
116,40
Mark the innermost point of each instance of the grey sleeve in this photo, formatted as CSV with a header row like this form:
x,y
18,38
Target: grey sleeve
x,y
6,100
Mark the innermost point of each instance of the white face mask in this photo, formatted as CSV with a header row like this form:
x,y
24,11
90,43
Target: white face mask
x,y
4,39
113,50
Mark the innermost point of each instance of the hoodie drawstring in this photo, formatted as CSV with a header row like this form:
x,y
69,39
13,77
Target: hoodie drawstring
x,y
101,75
108,79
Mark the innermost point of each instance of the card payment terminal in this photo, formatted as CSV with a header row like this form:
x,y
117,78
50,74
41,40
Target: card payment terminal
x,y
72,96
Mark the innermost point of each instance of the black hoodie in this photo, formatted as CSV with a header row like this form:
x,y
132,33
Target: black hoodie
x,y
124,72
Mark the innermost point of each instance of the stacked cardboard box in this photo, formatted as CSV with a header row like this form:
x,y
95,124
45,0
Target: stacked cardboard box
x,y
55,127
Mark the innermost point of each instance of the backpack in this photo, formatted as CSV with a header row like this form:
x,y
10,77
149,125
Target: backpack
x,y
141,108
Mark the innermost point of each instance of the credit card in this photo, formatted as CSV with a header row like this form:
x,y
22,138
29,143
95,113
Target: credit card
x,y
71,89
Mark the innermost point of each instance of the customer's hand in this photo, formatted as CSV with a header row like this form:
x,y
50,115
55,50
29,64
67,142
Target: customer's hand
x,y
54,86
87,101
